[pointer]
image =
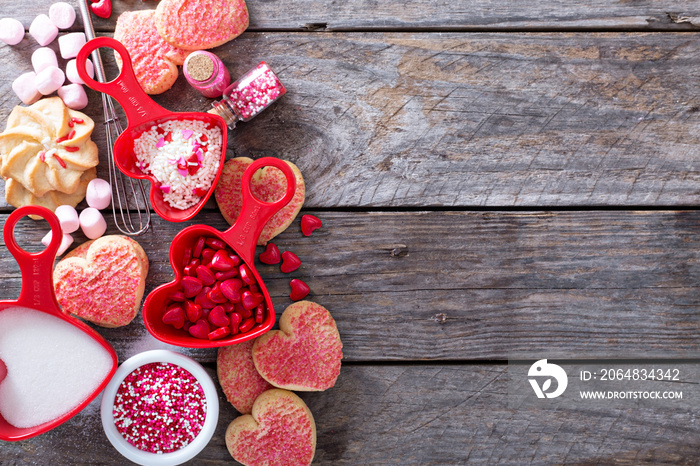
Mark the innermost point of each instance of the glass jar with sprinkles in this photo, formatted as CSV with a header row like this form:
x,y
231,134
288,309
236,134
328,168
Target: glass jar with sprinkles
x,y
206,73
160,408
252,93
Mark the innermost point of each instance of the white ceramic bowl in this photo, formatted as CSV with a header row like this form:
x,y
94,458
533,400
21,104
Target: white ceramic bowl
x,y
152,459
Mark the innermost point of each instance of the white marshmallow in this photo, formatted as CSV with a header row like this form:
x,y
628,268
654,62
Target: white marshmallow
x,y
68,217
92,223
42,58
70,44
11,31
66,241
43,30
25,88
62,15
49,80
99,194
74,96
72,71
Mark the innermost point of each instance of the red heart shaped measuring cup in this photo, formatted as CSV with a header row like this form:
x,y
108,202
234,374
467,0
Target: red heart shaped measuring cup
x,y
36,313
147,118
216,286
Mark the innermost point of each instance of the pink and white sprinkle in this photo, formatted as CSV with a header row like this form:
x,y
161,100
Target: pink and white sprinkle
x,y
184,156
160,408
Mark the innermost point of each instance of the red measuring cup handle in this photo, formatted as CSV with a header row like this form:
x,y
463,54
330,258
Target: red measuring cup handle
x,y
244,233
37,291
137,105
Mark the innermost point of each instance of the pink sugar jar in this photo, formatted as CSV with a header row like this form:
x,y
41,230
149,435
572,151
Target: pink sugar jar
x,y
206,73
252,93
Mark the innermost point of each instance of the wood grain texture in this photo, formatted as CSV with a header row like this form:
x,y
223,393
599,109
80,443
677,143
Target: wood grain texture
x,y
452,120
469,286
443,415
466,15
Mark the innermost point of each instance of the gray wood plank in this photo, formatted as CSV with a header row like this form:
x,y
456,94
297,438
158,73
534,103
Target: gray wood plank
x,y
464,15
450,414
474,285
453,120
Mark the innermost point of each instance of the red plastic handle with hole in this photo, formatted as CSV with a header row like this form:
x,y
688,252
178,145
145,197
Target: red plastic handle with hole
x,y
245,231
125,88
37,292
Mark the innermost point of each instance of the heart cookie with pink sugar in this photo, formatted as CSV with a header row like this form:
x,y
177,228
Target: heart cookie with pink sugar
x,y
280,431
238,377
102,281
200,24
155,61
305,353
268,184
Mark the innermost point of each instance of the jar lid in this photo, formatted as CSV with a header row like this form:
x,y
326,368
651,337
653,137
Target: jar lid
x,y
199,66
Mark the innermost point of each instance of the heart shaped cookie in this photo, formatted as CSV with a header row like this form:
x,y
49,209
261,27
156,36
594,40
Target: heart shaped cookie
x,y
305,353
102,281
238,376
184,23
268,185
155,61
280,431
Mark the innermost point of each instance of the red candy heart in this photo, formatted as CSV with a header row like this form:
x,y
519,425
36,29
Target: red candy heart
x,y
191,286
246,275
299,289
174,316
232,289
271,255
193,311
218,317
251,300
290,262
103,8
309,223
220,332
221,261
200,329
205,275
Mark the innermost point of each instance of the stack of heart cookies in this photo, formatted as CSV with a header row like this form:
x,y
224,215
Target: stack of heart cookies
x,y
257,378
46,155
159,40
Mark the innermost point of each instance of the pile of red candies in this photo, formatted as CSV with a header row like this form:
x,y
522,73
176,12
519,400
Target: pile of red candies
x,y
218,296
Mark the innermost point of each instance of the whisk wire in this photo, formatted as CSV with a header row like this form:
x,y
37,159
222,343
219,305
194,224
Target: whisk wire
x,y
125,221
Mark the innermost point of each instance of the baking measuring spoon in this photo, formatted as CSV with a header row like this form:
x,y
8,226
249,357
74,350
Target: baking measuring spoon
x,y
143,114
242,237
37,293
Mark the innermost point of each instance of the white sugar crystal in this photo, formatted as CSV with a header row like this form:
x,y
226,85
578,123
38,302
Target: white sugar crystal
x,y
52,366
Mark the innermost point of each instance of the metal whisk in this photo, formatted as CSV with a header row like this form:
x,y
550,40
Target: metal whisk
x,y
127,222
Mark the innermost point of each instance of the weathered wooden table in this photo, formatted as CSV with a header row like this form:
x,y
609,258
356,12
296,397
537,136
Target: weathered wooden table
x,y
497,180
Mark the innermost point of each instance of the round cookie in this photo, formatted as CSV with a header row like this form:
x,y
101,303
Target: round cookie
x,y
102,281
200,24
238,377
155,61
305,353
280,431
268,185
47,147
17,195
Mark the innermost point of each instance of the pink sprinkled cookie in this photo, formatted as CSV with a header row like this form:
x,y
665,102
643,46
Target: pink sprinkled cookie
x,y
268,185
102,281
280,431
238,376
155,61
305,353
201,24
